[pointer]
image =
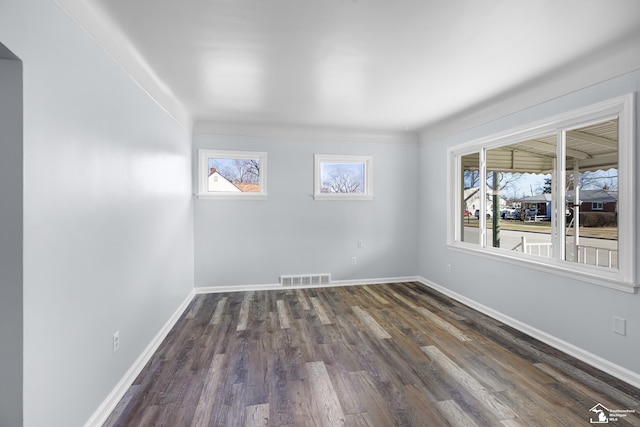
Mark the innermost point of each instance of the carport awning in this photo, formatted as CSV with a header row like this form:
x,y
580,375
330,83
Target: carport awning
x,y
594,147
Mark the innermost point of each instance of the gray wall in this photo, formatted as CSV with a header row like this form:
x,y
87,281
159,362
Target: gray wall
x,y
108,237
10,239
578,313
254,242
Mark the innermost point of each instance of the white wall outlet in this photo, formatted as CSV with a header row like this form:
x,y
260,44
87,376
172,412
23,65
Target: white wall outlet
x,y
619,325
448,268
354,261
360,244
116,341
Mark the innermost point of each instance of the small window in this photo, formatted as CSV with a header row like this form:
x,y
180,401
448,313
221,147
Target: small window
x,y
597,206
232,174
340,177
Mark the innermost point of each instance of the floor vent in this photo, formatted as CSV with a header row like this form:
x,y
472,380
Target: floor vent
x,y
306,280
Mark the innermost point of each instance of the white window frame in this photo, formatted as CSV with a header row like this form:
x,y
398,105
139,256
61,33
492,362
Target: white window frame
x,y
625,277
597,206
203,174
367,161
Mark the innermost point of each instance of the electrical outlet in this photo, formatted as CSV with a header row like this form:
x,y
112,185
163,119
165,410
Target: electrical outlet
x,y
448,268
619,325
116,341
354,261
360,243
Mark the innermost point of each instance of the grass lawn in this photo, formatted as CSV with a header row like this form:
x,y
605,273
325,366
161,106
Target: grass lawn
x,y
545,227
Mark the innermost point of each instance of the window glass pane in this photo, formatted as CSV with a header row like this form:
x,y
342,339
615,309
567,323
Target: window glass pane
x,y
233,175
519,186
342,177
469,229
592,174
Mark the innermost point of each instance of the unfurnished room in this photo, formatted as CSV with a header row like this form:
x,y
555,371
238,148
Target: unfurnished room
x,y
319,213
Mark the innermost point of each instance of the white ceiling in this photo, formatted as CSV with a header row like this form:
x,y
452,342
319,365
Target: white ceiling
x,y
360,64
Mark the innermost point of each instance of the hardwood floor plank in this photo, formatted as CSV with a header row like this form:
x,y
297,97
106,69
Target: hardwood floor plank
x,y
370,401
376,295
258,375
343,387
194,307
204,410
423,300
356,420
244,311
443,324
512,423
493,404
302,298
424,409
373,326
280,401
456,416
232,408
301,403
320,311
283,315
323,396
256,415
402,299
216,319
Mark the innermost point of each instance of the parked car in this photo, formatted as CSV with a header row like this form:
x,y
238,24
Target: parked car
x,y
510,213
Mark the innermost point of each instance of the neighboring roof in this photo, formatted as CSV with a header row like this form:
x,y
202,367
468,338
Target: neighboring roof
x,y
247,187
599,195
538,198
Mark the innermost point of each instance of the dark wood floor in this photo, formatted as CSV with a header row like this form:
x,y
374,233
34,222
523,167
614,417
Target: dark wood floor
x,y
379,355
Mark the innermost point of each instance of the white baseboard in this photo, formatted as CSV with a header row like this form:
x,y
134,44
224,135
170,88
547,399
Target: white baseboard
x,y
275,286
237,288
607,366
381,281
104,410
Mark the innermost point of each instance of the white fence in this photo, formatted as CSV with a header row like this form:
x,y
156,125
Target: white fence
x,y
591,255
541,249
594,255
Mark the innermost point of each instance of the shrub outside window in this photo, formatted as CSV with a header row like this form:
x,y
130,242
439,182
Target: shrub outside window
x,y
556,195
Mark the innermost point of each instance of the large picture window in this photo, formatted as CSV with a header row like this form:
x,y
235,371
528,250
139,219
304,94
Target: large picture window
x,y
557,194
232,174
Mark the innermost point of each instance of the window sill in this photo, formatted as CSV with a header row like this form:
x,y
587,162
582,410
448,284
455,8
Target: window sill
x,y
325,196
231,196
593,275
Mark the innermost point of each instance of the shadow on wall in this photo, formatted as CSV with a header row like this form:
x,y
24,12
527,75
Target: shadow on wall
x,y
11,231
